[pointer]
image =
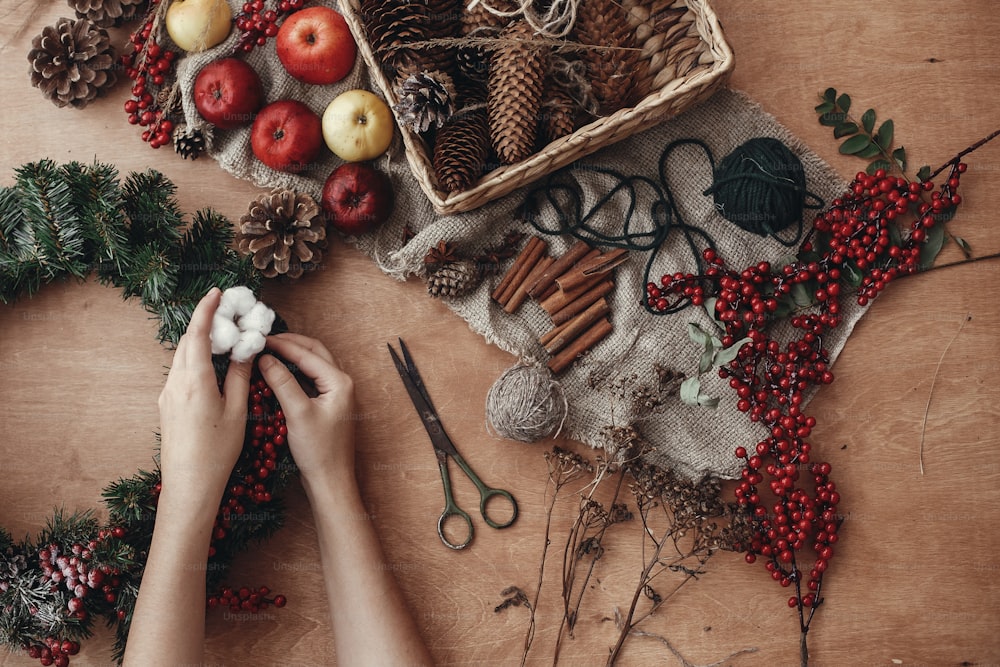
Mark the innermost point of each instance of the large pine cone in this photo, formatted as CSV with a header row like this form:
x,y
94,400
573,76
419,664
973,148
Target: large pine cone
x,y
558,114
72,62
285,232
516,82
612,63
461,150
107,13
390,25
479,25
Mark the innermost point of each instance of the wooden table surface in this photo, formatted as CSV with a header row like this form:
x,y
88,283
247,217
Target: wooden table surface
x,y
915,580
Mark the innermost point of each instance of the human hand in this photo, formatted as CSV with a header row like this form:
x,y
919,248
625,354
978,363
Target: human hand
x,y
201,429
320,429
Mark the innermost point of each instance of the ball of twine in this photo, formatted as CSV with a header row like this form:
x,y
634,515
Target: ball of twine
x,y
526,404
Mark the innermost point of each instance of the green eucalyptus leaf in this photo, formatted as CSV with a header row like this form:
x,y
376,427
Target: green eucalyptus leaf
x,y
855,144
868,120
709,305
852,274
830,94
707,401
932,246
825,107
924,174
899,155
845,129
698,336
876,165
784,309
895,236
690,390
844,102
885,134
964,245
869,151
801,295
724,356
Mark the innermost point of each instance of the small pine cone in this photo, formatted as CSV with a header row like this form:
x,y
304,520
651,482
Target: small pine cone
x,y
558,115
426,100
284,231
108,13
72,62
454,279
189,142
612,62
516,80
461,149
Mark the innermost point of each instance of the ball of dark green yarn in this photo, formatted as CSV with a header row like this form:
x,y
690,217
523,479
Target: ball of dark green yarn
x,y
760,186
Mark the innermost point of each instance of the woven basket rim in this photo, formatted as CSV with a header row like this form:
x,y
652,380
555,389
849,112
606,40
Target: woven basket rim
x,y
584,141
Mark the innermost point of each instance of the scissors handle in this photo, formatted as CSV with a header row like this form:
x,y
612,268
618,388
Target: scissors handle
x,y
451,509
485,493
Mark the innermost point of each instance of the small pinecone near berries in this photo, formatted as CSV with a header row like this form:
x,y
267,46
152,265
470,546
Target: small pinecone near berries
x,y
72,62
449,274
516,80
426,100
285,231
613,62
461,149
108,13
189,142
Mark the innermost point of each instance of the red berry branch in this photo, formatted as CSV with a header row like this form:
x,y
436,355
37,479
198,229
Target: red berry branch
x,y
149,65
868,237
258,24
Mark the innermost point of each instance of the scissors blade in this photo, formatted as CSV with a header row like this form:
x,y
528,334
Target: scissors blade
x,y
429,417
411,369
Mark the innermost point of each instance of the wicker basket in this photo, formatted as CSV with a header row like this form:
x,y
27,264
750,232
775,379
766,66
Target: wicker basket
x,y
690,63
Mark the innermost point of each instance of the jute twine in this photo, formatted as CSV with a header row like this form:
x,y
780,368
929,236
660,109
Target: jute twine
x,y
526,404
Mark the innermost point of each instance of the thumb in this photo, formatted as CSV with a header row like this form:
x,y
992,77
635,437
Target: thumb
x,y
284,385
236,386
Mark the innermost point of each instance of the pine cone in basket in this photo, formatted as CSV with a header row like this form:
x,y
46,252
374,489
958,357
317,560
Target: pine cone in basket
x,y
426,100
557,118
72,62
478,25
448,273
285,232
461,149
107,13
390,26
609,52
514,97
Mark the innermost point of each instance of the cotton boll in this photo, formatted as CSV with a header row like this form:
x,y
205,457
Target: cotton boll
x,y
241,299
260,318
224,335
248,345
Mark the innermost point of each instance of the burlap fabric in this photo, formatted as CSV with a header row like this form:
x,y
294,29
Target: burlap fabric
x,y
692,440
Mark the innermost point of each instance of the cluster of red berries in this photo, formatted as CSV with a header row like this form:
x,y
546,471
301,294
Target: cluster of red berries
x,y
245,599
257,24
75,571
148,65
53,651
860,242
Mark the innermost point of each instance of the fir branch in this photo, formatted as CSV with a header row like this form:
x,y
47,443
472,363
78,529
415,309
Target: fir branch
x,y
151,208
49,208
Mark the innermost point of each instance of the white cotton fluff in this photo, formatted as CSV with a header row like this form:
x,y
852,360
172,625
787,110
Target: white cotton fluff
x,y
240,324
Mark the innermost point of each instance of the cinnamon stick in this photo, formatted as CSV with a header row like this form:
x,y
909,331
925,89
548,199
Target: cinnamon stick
x,y
600,264
549,335
597,332
521,292
576,326
575,253
516,274
582,302
560,299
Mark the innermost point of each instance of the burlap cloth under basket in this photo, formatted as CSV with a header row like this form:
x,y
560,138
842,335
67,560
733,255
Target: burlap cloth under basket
x,y
693,440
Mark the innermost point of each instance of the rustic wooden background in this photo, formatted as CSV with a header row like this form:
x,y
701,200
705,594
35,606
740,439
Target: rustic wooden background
x,y
916,573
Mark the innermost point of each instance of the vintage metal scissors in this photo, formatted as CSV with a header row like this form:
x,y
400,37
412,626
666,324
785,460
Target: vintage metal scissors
x,y
443,448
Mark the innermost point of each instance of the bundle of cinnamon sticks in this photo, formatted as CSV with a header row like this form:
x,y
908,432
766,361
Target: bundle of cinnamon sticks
x,y
571,289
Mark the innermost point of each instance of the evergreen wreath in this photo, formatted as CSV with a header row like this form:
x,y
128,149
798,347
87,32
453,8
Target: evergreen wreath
x,y
69,221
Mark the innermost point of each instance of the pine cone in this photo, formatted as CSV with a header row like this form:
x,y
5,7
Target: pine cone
x,y
454,279
478,23
107,13
516,79
390,25
426,100
461,149
284,231
189,142
612,64
72,62
558,115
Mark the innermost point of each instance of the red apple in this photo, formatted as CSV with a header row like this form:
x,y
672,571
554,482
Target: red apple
x,y
316,46
286,135
357,198
228,92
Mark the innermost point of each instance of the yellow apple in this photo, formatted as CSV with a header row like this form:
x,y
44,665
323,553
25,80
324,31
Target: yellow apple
x,y
198,25
357,125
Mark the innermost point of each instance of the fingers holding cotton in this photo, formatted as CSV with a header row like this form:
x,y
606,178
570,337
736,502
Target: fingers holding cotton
x,y
240,324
